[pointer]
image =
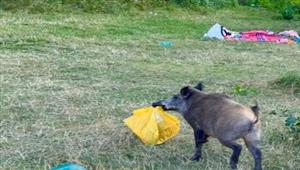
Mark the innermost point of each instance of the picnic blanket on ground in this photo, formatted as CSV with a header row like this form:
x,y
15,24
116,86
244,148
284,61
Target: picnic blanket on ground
x,y
220,32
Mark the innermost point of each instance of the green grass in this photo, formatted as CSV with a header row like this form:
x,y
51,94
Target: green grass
x,y
68,81
290,81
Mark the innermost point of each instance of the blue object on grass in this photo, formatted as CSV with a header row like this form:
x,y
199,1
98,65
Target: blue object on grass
x,y
166,43
68,166
298,40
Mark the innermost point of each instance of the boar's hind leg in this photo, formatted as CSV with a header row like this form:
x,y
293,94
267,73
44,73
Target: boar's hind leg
x,y
236,152
252,141
200,138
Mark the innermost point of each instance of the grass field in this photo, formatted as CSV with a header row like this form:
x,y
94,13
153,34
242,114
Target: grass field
x,y
68,81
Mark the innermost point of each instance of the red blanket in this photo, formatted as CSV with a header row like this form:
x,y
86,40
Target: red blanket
x,y
259,36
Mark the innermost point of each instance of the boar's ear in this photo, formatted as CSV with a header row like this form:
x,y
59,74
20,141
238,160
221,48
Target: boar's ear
x,y
199,86
186,92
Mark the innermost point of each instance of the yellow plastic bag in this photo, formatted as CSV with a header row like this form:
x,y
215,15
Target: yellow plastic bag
x,y
153,125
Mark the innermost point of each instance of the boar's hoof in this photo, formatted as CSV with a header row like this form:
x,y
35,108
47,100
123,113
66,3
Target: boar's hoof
x,y
195,157
233,165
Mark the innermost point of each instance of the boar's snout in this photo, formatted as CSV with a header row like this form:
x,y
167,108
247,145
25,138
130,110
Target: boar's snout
x,y
159,103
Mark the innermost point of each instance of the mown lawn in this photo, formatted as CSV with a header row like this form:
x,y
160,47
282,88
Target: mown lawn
x,y
68,80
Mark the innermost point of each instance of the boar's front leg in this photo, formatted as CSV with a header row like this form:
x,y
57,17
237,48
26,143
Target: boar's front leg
x,y
200,138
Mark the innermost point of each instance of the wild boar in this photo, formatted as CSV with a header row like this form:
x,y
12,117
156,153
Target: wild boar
x,y
217,115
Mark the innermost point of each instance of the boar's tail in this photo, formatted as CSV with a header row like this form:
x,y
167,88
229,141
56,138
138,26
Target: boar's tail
x,y
255,110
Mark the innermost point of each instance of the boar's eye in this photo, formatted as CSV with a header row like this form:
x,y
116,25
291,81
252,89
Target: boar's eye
x,y
175,97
